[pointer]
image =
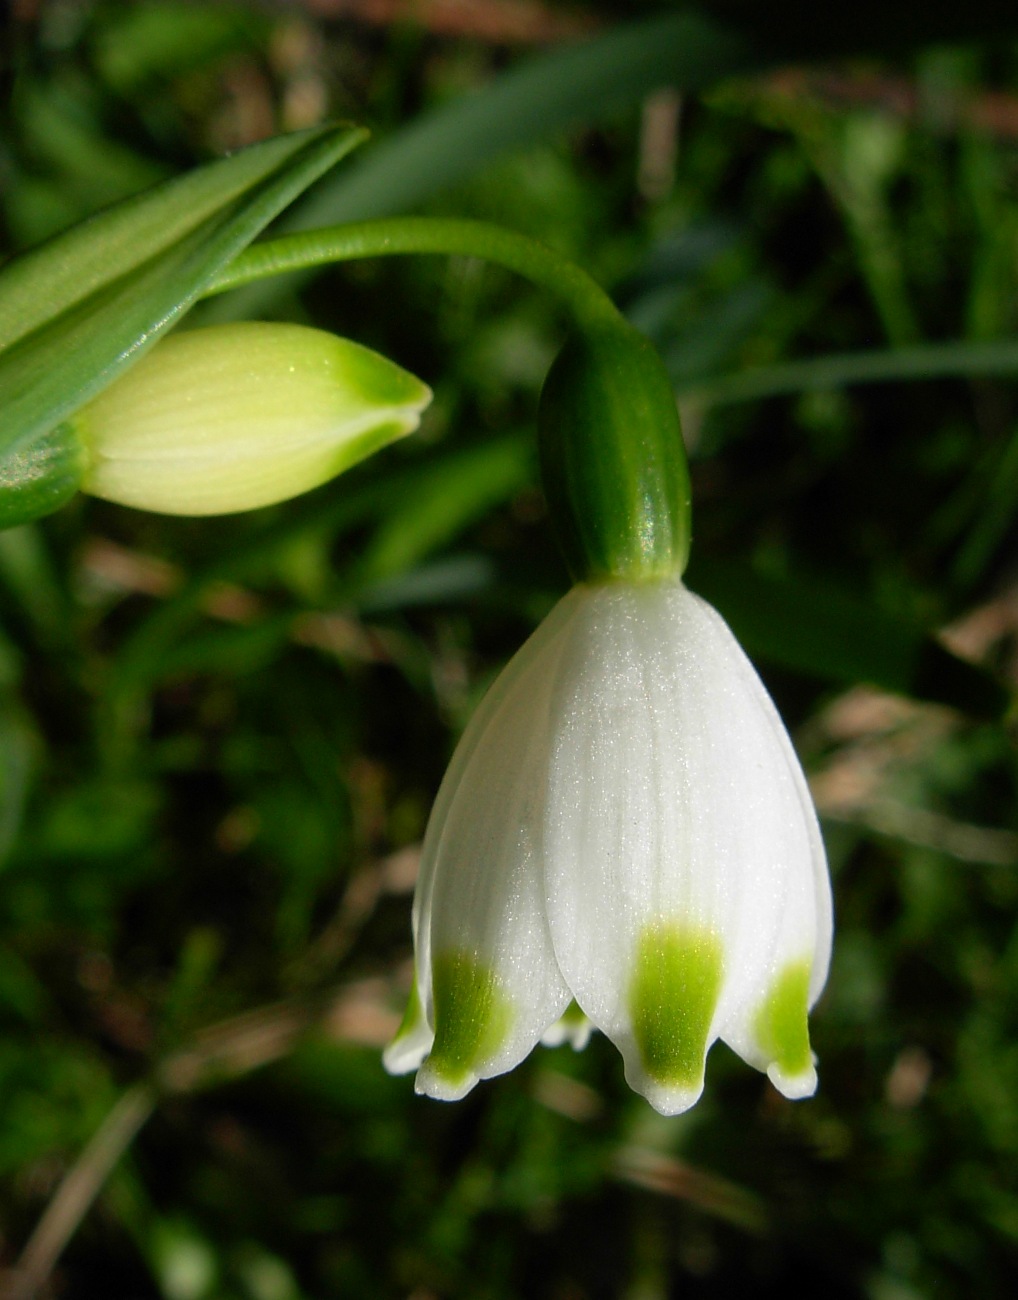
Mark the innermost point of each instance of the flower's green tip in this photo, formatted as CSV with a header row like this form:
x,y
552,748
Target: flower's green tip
x,y
783,1032
231,417
472,1020
413,1037
676,982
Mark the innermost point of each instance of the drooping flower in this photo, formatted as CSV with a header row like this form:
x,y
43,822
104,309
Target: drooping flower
x,y
625,826
624,837
231,417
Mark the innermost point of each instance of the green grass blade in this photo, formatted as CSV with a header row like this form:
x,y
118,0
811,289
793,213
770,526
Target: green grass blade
x,y
580,82
958,358
549,92
77,310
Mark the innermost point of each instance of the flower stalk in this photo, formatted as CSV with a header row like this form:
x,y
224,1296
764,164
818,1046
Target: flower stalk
x,y
585,300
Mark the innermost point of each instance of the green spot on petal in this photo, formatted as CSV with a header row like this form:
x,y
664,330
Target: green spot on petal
x,y
413,1038
672,999
472,1016
780,1024
413,1016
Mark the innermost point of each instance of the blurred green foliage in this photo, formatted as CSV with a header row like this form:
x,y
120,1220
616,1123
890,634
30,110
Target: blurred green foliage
x,y
219,739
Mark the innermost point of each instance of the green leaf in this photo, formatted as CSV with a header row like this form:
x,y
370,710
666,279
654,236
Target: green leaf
x,y
76,311
544,95
579,82
813,627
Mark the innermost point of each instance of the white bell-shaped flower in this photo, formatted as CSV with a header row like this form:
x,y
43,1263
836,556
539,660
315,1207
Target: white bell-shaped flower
x,y
624,831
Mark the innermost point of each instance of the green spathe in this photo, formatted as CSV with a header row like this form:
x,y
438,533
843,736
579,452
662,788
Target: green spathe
x,y
78,310
233,417
472,1018
40,476
612,458
781,1024
413,1017
672,998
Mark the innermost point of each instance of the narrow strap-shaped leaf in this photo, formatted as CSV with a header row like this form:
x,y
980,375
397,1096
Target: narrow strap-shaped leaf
x,y
576,82
585,79
78,309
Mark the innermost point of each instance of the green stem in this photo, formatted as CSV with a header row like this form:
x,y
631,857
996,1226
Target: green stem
x,y
612,456
586,300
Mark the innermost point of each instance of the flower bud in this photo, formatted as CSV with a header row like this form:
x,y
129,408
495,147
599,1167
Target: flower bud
x,y
231,417
613,460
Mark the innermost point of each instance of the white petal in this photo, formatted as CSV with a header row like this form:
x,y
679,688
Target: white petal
x,y
680,855
572,1027
413,1038
781,928
484,957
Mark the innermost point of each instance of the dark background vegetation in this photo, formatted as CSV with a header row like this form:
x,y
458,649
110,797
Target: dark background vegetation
x,y
219,740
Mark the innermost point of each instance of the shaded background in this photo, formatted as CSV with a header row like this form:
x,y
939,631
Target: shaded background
x,y
219,740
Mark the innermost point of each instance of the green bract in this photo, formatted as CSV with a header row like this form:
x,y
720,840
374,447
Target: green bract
x,y
78,310
612,458
40,476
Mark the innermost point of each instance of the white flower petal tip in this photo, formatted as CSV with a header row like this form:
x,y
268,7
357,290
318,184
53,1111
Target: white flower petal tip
x,y
782,1032
677,974
667,1099
413,1038
443,1087
477,1028
572,1027
625,829
796,1087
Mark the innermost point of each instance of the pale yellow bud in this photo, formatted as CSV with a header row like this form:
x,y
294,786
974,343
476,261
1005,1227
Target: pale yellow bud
x,y
231,417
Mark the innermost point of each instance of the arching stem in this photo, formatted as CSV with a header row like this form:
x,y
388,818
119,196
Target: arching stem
x,y
585,299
